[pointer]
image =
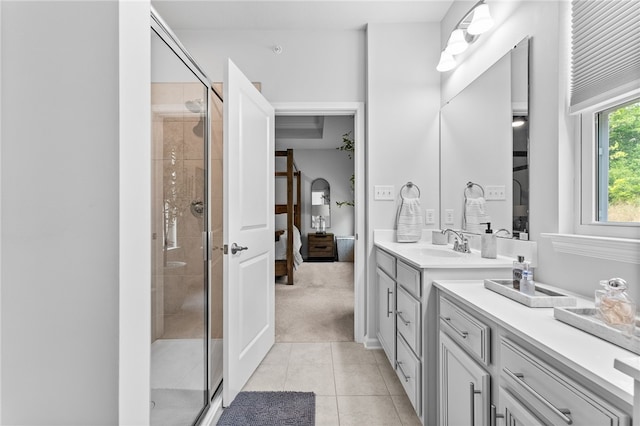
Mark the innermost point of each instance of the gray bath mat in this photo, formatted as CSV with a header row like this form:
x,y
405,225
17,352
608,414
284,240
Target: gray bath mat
x,y
270,408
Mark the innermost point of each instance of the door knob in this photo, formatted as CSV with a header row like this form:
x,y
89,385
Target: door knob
x,y
236,248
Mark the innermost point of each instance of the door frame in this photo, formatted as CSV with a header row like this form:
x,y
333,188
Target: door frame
x,y
357,111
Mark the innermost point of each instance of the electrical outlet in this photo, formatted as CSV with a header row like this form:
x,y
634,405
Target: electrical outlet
x,y
383,192
448,216
495,192
430,216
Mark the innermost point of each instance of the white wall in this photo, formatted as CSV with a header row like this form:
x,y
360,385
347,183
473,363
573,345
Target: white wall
x,y
315,66
135,228
403,94
59,213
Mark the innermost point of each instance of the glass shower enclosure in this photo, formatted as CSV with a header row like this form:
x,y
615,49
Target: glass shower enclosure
x,y
186,309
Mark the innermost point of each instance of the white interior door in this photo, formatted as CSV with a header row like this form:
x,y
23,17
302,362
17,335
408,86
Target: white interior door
x,y
249,294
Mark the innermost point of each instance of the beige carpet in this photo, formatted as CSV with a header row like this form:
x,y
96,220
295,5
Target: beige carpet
x,y
318,307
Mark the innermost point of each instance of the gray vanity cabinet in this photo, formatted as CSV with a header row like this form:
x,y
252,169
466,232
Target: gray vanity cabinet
x,y
386,324
557,398
407,326
489,376
399,325
515,413
465,387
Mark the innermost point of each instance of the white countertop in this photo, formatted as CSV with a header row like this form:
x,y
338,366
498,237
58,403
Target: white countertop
x,y
426,255
588,355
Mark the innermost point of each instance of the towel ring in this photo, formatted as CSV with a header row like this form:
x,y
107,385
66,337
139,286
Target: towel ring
x,y
470,186
409,186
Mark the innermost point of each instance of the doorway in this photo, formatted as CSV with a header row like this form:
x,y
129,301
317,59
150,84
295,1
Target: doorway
x,y
353,112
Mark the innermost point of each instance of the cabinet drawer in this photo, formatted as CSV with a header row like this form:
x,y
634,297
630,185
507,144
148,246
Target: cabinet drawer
x,y
557,398
328,238
408,319
465,329
324,249
408,369
386,262
409,278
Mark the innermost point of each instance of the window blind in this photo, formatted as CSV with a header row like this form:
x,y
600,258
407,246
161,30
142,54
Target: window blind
x,y
605,54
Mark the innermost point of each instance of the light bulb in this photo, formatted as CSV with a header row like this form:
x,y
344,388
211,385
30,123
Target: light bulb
x,y
481,21
457,42
517,122
447,62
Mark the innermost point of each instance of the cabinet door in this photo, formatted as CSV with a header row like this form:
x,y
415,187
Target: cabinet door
x,y
386,330
464,387
514,413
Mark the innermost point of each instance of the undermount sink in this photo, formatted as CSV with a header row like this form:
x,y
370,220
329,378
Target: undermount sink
x,y
433,252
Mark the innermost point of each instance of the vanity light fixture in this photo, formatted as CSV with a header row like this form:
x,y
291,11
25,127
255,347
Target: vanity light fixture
x,y
482,20
457,42
477,21
447,62
517,122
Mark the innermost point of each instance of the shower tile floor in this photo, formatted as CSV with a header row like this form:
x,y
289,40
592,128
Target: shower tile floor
x,y
353,385
177,388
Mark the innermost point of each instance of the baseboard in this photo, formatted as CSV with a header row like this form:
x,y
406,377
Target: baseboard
x,y
371,343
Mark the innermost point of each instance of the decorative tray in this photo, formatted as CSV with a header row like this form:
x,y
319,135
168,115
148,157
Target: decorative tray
x,y
585,319
543,298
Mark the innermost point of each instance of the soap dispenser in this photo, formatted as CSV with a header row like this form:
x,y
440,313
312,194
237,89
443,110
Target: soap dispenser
x,y
488,244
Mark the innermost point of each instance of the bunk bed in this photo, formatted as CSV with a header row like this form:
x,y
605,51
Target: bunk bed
x,y
292,209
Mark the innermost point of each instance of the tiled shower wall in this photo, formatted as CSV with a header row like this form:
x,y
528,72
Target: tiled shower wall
x,y
178,159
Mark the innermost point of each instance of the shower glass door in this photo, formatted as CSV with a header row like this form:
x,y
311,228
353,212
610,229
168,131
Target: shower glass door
x,y
179,290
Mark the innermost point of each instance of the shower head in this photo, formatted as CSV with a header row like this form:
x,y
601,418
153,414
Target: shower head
x,y
195,105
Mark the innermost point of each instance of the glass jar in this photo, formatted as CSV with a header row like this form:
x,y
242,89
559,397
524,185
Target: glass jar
x,y
614,306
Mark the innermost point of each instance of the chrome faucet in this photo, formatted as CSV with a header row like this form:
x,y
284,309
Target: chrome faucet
x,y
461,244
502,230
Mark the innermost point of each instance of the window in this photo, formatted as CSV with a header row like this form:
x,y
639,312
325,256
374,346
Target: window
x,y
605,95
618,163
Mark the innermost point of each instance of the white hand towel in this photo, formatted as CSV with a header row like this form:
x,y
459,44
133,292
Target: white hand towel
x,y
409,221
475,213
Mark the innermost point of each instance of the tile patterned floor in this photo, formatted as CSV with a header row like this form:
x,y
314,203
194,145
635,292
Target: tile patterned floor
x,y
353,385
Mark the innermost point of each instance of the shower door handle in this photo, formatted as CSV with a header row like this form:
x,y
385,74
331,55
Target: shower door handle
x,y
236,248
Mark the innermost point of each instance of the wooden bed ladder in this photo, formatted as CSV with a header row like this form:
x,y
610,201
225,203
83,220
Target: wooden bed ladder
x,y
290,207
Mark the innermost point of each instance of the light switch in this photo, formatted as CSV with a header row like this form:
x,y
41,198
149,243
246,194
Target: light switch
x,y
448,216
430,216
495,192
384,192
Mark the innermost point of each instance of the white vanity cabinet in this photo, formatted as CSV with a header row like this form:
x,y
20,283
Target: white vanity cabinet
x,y
465,387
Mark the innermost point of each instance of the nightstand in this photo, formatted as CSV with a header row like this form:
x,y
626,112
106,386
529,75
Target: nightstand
x,y
320,246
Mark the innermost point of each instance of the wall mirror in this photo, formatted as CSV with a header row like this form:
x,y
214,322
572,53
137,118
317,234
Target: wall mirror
x,y
485,140
320,204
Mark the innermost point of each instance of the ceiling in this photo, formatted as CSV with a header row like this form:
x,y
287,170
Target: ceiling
x,y
311,131
292,15
295,14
